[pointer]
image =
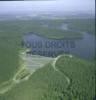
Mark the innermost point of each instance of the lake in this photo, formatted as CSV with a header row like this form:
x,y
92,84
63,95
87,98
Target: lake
x,y
39,45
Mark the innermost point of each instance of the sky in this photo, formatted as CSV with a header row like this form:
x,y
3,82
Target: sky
x,y
47,6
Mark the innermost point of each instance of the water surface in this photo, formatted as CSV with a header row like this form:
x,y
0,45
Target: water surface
x,y
40,45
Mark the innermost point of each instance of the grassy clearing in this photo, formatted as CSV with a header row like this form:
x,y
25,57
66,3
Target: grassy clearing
x,y
34,62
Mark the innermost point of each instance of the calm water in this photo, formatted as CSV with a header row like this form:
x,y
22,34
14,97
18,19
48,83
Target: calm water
x,y
39,45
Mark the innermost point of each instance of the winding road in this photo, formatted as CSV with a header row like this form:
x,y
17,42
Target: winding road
x,y
56,69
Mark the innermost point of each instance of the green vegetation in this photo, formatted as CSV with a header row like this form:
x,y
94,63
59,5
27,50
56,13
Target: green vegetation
x,y
9,59
82,75
49,80
85,25
48,83
11,33
36,26
28,65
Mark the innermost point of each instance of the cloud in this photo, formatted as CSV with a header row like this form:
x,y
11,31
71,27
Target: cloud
x,y
53,5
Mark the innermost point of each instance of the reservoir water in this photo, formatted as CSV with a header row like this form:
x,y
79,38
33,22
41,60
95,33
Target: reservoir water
x,y
39,45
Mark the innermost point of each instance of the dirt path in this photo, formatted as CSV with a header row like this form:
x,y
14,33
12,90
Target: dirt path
x,y
56,69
